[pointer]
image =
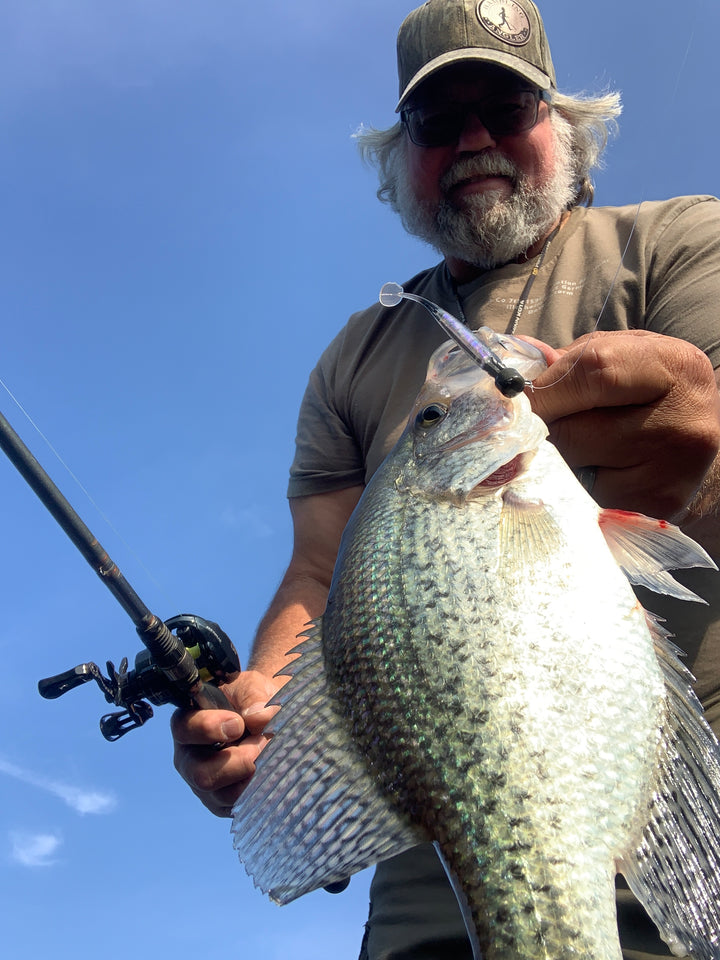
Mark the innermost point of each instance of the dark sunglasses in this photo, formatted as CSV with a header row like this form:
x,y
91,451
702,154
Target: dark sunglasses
x,y
439,126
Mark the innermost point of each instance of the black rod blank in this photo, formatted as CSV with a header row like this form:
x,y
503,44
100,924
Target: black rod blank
x,y
167,650
88,545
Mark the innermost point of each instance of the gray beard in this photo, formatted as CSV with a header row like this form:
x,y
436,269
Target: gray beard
x,y
491,229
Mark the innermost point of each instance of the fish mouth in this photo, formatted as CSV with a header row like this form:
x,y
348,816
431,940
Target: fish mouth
x,y
503,475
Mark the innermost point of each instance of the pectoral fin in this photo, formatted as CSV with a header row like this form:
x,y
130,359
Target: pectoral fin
x,y
645,549
312,814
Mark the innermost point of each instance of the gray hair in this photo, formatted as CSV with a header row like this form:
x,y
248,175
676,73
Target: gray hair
x,y
592,119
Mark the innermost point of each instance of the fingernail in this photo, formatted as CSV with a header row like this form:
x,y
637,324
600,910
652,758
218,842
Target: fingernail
x,y
232,729
253,708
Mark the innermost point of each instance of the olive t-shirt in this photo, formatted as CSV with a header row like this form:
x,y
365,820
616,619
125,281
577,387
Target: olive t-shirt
x,y
654,266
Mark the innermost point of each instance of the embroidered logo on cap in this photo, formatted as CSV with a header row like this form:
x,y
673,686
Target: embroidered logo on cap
x,y
506,20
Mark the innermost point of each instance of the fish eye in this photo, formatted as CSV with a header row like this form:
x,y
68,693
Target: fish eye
x,y
431,415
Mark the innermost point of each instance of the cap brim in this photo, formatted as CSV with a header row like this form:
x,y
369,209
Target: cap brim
x,y
497,57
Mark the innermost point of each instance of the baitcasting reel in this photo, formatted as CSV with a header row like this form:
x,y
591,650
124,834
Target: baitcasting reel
x,y
211,649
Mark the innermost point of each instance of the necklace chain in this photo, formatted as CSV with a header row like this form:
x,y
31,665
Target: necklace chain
x,y
522,302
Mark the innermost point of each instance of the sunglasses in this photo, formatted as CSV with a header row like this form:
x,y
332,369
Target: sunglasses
x,y
439,126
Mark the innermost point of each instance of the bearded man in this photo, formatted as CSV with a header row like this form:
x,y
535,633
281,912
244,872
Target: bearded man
x,y
491,165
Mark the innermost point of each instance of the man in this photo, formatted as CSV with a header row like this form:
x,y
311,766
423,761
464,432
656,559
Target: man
x,y
490,165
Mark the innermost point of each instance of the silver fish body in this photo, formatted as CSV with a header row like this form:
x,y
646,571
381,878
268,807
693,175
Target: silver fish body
x,y
484,677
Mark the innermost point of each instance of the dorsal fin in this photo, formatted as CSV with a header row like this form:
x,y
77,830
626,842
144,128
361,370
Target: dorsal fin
x,y
675,870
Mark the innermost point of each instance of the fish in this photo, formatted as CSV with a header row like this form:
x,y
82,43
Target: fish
x,y
485,678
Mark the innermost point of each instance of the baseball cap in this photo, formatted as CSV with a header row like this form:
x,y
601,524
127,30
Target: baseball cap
x,y
508,33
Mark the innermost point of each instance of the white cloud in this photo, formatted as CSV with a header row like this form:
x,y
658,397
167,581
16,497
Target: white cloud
x,y
80,800
83,801
34,849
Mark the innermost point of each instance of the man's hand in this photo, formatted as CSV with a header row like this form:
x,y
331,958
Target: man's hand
x,y
218,777
642,408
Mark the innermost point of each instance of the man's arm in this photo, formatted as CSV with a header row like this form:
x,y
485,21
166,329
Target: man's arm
x,y
218,777
318,523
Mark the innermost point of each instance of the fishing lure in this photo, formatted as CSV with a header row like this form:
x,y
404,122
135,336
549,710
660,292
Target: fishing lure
x,y
509,381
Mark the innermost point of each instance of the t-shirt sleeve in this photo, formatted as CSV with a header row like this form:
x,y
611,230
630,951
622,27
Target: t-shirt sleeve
x,y
683,295
327,454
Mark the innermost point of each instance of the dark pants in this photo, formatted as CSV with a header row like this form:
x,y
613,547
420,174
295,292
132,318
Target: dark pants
x,y
414,915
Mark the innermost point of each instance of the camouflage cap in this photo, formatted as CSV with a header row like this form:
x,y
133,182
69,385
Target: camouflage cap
x,y
509,33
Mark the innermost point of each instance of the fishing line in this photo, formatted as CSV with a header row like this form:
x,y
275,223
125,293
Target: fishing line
x,y
671,103
594,330
77,481
476,343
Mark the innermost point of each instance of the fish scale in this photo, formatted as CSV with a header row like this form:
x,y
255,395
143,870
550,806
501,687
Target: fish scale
x,y
483,677
476,678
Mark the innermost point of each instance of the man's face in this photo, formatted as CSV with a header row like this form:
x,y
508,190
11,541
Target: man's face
x,y
484,199
533,151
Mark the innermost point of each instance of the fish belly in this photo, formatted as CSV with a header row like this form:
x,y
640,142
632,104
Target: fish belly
x,y
510,707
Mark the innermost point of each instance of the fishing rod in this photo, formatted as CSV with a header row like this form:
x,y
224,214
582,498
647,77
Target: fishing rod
x,y
183,668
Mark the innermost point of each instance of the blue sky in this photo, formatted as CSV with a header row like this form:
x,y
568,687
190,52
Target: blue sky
x,y
185,224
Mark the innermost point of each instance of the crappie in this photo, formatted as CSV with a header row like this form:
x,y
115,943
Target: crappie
x,y
483,677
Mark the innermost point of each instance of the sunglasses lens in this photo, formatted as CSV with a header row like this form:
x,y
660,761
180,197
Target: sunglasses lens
x,y
435,128
507,115
501,116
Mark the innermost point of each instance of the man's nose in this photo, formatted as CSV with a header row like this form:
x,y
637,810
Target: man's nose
x,y
474,135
